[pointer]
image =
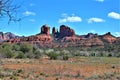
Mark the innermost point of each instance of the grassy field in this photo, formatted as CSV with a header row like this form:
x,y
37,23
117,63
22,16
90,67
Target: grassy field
x,y
77,68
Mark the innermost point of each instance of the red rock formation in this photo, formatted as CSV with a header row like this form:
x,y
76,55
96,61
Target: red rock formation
x,y
109,38
14,40
54,30
79,42
91,35
66,31
72,39
1,36
65,38
41,40
45,30
92,42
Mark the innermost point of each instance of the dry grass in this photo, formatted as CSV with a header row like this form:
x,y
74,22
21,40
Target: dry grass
x,y
78,68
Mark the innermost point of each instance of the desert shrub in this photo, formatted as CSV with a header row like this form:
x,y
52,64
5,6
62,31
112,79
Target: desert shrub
x,y
20,55
53,55
16,47
4,45
5,74
14,77
109,55
61,53
93,54
37,54
8,53
118,54
84,53
19,71
26,47
49,50
65,57
1,52
76,54
29,55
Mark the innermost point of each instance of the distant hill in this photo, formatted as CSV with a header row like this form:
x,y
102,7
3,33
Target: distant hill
x,y
7,36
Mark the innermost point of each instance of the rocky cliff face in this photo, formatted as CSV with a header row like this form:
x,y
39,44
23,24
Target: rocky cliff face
x,y
45,29
82,42
42,39
91,35
66,31
2,36
54,30
7,36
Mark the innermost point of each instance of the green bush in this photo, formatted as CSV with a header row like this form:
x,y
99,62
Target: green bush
x,y
8,53
1,52
29,55
4,45
20,55
93,54
109,55
37,54
76,54
26,47
53,55
16,47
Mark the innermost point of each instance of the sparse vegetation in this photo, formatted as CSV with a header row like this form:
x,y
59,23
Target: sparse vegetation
x,y
26,50
29,62
88,68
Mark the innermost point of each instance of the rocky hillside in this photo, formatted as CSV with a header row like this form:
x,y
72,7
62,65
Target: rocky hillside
x,y
65,37
7,36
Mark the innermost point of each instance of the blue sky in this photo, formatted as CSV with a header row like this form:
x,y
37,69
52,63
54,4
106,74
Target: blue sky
x,y
84,16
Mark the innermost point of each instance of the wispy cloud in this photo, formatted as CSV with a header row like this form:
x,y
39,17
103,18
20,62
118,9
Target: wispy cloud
x,y
72,18
100,0
117,34
29,13
32,20
94,19
114,15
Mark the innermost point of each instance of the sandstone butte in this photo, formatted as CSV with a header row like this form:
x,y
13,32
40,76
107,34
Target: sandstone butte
x,y
65,37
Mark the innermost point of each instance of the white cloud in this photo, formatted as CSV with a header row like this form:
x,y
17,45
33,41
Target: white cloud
x,y
29,13
100,0
67,18
32,20
114,15
117,34
62,20
91,20
74,19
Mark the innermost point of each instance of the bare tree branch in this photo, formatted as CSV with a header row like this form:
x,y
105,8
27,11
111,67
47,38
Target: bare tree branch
x,y
9,10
